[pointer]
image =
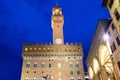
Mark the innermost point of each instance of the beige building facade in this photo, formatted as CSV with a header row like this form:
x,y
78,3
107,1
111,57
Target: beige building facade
x,y
103,60
53,61
113,7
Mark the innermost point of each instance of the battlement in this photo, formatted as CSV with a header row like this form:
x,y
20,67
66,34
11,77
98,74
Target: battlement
x,y
49,47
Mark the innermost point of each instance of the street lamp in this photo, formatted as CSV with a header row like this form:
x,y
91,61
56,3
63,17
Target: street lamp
x,y
106,37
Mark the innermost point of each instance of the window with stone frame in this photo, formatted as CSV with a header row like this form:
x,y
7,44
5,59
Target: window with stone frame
x,y
117,14
113,47
118,41
43,65
50,65
28,65
35,65
71,73
77,65
78,72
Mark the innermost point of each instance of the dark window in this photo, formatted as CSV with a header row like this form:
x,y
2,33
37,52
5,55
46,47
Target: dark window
x,y
110,4
117,15
34,71
71,72
113,27
35,65
118,65
28,65
77,65
113,47
71,65
49,65
72,79
78,79
27,71
78,72
42,65
118,41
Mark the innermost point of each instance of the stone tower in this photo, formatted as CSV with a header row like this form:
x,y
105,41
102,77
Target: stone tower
x,y
57,61
57,25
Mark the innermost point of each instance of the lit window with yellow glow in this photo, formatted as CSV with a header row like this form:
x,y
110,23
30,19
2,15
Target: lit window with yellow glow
x,y
30,48
44,49
35,49
26,49
39,48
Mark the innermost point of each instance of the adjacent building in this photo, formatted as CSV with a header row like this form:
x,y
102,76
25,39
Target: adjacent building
x,y
53,61
113,7
103,59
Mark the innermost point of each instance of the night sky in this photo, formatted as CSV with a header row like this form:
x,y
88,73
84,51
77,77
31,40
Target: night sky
x,y
30,21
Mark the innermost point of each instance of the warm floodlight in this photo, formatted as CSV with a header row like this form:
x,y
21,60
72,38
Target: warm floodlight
x,y
106,37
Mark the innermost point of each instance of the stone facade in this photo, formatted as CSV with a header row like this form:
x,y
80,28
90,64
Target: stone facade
x,y
113,7
100,60
53,61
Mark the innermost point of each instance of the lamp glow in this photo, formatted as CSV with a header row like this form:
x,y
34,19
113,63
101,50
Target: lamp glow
x,y
106,37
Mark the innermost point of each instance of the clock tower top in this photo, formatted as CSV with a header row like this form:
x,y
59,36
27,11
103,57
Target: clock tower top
x,y
57,25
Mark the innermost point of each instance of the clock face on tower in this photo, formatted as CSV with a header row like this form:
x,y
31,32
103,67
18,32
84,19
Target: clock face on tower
x,y
58,41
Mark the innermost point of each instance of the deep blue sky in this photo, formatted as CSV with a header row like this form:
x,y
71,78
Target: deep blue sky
x,y
30,21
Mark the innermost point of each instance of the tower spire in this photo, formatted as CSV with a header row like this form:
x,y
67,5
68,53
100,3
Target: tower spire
x,y
57,25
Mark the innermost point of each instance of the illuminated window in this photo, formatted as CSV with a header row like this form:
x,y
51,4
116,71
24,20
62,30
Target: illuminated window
x,y
35,48
43,65
39,48
35,65
48,49
71,72
28,65
26,49
44,49
30,48
59,65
